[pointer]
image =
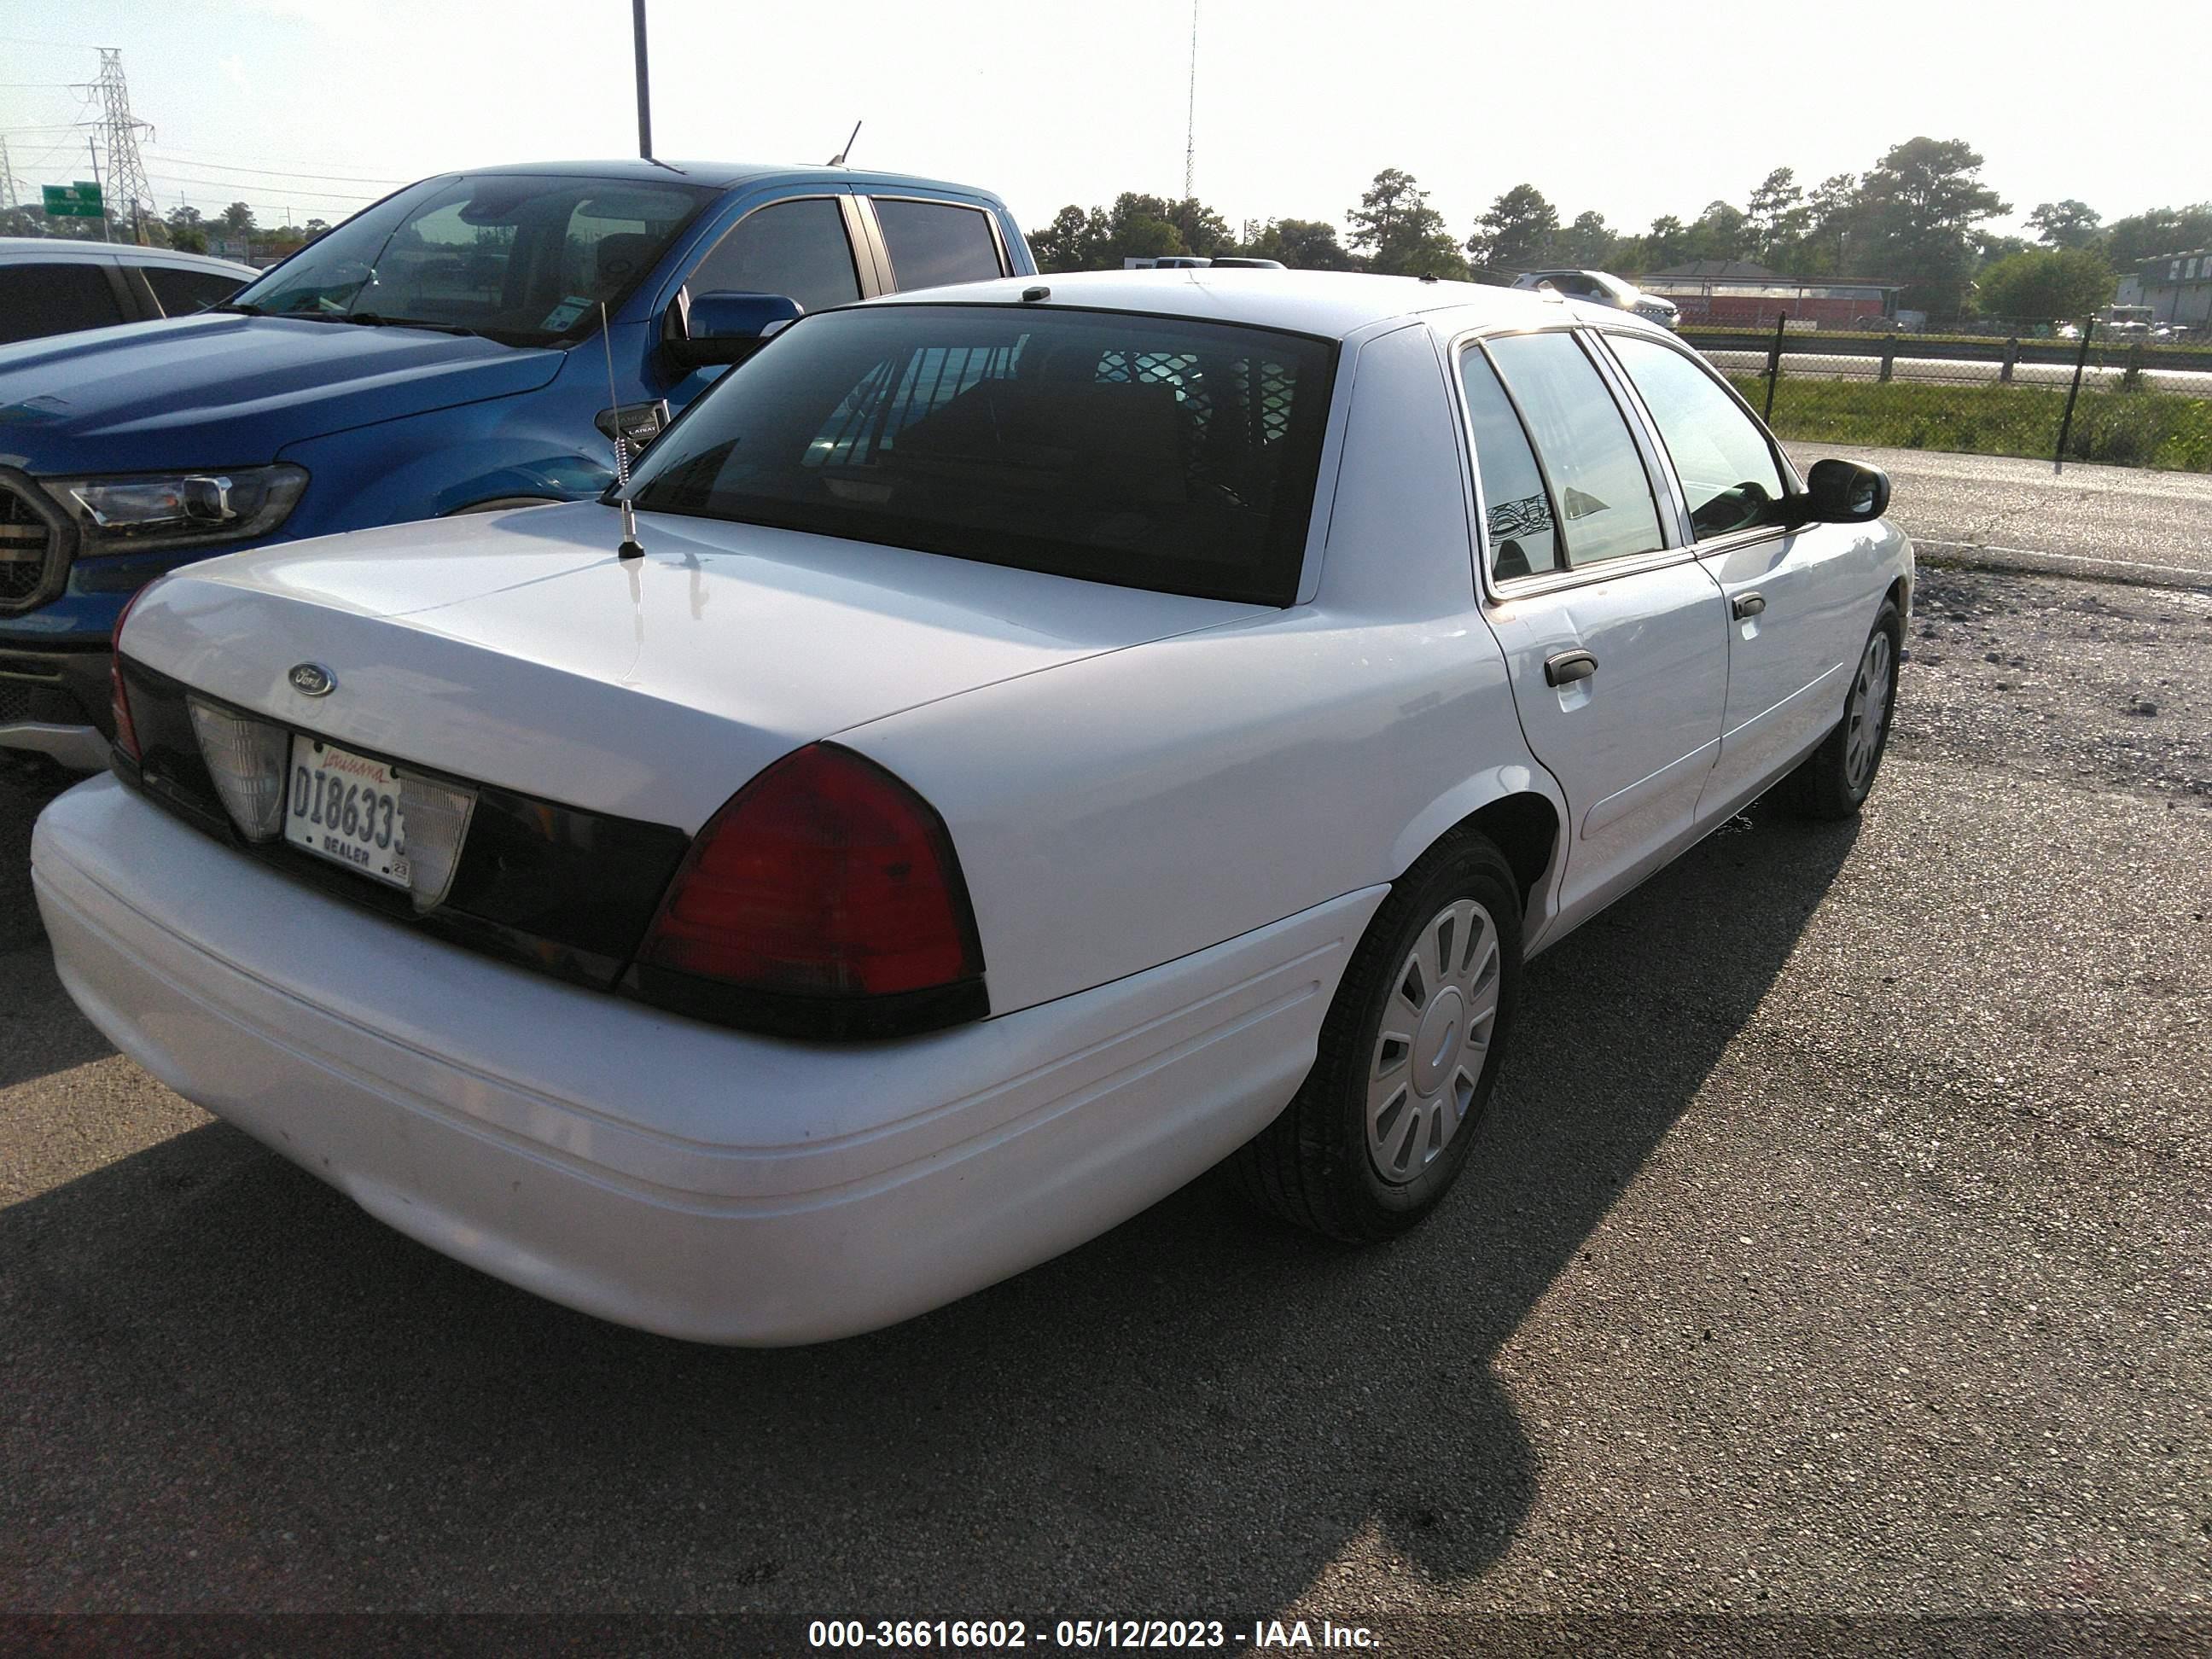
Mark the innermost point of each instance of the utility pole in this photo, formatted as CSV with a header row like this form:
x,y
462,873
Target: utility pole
x,y
644,91
126,173
92,148
1190,116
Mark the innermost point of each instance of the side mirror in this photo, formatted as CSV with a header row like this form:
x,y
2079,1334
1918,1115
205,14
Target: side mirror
x,y
714,329
1842,492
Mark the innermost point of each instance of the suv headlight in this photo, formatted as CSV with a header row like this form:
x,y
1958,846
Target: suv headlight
x,y
127,513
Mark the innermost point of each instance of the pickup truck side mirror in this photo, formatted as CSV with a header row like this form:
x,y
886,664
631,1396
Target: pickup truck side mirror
x,y
1841,492
714,328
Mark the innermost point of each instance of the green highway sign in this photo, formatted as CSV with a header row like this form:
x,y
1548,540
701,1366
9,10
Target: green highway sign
x,y
78,200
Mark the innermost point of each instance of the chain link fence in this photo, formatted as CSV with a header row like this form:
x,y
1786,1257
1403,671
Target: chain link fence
x,y
2076,392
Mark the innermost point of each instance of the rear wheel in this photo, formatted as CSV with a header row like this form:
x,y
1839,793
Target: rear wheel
x,y
1408,1057
1834,780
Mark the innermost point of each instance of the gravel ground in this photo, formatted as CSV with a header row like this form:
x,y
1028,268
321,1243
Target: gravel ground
x,y
1841,1244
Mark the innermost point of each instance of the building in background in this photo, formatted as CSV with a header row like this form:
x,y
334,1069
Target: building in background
x,y
2177,287
1737,294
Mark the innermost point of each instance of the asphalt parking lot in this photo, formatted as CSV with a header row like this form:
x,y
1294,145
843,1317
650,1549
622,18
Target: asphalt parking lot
x,y
1841,1242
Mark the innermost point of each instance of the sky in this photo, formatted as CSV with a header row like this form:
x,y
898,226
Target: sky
x,y
311,108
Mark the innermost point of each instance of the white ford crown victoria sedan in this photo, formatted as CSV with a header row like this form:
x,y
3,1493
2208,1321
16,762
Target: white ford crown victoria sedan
x,y
1055,738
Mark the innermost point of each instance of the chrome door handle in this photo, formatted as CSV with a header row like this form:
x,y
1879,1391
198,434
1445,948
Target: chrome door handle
x,y
1748,604
1568,667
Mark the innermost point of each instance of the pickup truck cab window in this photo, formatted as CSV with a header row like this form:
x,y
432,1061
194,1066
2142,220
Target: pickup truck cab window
x,y
1730,479
1606,506
935,244
798,248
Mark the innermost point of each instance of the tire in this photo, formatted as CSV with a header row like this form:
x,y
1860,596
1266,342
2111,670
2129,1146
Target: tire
x,y
1329,1163
1834,780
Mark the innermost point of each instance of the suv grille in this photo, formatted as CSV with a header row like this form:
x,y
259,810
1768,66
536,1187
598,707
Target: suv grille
x,y
28,547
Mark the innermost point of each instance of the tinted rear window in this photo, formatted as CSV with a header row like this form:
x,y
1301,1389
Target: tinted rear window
x,y
932,244
39,299
1146,452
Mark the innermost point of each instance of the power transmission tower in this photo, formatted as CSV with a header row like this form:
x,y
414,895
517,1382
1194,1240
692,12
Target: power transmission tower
x,y
126,174
1190,117
8,199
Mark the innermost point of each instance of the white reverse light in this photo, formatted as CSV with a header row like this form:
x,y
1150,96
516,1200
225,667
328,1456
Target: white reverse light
x,y
246,759
437,819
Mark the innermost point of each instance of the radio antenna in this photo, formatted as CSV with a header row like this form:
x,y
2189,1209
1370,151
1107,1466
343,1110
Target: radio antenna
x,y
838,160
631,548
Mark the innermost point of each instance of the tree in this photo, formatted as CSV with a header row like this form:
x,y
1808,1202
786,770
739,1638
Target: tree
x,y
1137,227
1776,213
1065,244
1828,249
237,221
1588,243
1203,231
1923,198
2141,236
1302,244
2044,285
1666,243
315,228
1401,234
187,229
1720,233
1517,234
2069,224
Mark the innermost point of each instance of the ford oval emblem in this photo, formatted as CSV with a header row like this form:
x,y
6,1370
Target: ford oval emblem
x,y
312,679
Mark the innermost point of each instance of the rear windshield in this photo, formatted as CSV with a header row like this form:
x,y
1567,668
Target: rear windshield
x,y
1148,452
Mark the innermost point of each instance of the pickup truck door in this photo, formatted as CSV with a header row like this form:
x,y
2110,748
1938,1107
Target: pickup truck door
x,y
1615,639
1798,599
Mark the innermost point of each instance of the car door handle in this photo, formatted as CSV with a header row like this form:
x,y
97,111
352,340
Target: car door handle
x,y
1568,667
1748,604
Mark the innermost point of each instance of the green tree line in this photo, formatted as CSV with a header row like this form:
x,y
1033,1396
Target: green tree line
x,y
1917,215
184,228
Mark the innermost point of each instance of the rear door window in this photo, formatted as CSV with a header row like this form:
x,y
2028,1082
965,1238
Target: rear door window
x,y
56,298
1603,496
795,248
1727,467
934,244
1516,511
182,292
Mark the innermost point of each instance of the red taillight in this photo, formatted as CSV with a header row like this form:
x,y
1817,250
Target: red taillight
x,y
825,876
126,733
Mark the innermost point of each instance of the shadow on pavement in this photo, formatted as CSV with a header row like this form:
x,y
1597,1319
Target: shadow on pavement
x,y
234,1390
40,1030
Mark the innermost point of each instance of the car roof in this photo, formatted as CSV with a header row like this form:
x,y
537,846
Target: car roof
x,y
14,249
1330,304
719,175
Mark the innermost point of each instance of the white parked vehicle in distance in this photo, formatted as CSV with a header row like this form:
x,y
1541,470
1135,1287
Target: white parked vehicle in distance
x,y
1602,287
1056,735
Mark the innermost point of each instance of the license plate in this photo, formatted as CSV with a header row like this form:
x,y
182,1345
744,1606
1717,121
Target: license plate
x,y
345,807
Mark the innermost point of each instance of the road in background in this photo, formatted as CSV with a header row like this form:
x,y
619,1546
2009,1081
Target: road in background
x,y
2107,523
1841,1241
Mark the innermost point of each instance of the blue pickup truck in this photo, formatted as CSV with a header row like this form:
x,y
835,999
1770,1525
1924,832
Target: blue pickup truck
x,y
440,352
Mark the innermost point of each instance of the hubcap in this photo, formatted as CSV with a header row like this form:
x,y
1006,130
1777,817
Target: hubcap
x,y
1437,1028
1869,703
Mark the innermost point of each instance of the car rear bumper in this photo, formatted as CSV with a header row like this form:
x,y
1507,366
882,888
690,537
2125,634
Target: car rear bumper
x,y
679,1177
